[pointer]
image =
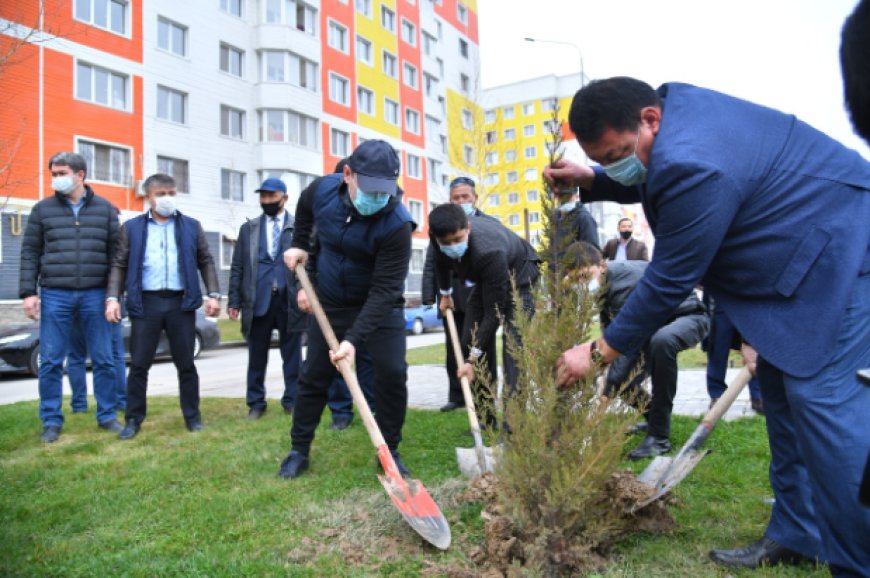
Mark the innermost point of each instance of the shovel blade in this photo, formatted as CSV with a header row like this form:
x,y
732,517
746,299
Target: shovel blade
x,y
469,464
670,472
654,471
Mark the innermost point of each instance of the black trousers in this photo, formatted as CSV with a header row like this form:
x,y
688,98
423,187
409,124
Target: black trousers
x,y
162,313
491,359
386,346
259,340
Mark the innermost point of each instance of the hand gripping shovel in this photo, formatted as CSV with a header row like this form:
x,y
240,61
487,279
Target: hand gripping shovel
x,y
479,460
410,497
664,473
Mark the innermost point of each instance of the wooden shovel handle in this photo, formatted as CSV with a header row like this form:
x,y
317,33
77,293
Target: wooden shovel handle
x,y
466,387
727,398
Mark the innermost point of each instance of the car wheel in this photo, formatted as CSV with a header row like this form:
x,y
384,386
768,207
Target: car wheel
x,y
33,363
417,328
197,345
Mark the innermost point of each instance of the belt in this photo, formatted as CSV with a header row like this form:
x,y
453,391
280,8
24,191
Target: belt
x,y
163,293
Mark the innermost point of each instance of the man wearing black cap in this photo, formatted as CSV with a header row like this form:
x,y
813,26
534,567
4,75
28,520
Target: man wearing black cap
x,y
364,236
263,291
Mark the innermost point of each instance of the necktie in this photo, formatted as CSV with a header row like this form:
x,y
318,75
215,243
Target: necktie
x,y
276,238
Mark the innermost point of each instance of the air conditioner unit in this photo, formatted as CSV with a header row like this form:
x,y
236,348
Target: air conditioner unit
x,y
137,188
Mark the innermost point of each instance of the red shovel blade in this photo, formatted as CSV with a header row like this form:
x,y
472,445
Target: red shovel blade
x,y
414,503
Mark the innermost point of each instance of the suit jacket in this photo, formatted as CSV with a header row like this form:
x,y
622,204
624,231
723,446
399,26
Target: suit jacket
x,y
769,214
243,274
634,250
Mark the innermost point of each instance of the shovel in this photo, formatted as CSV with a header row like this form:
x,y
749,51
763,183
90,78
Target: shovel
x,y
410,497
664,473
474,462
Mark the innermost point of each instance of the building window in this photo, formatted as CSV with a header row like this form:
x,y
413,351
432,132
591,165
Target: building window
x,y
493,200
434,171
468,154
228,246
339,143
433,127
430,84
287,126
461,13
177,169
101,86
388,19
464,83
339,89
232,185
364,7
491,137
513,198
409,75
293,13
531,174
530,152
414,170
107,14
467,119
295,181
510,134
418,256
232,60
389,64
409,32
548,104
416,210
529,108
412,120
532,196
463,48
107,163
534,217
529,130
365,100
337,36
232,122
491,179
551,126
510,156
429,43
508,112
233,7
491,159
171,36
283,66
171,105
364,50
514,220
511,177
391,111
489,116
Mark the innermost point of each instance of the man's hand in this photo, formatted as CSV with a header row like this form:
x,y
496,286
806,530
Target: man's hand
x,y
113,311
212,307
565,173
293,257
233,313
750,357
31,306
573,365
445,303
302,301
466,370
346,350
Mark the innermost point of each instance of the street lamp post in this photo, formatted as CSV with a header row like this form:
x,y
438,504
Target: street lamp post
x,y
572,45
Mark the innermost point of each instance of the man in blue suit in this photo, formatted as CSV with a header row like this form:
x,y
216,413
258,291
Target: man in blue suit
x,y
773,218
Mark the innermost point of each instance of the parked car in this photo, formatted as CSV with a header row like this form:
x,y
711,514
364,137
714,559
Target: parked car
x,y
421,318
19,343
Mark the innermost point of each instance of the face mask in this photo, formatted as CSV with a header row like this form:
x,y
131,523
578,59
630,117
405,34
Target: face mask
x,y
370,203
164,206
592,286
455,251
468,208
63,184
628,171
567,207
271,209
625,235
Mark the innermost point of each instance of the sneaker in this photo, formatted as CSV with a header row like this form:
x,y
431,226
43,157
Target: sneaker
x,y
50,433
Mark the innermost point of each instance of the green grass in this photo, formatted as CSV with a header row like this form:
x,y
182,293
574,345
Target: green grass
x,y
171,503
230,330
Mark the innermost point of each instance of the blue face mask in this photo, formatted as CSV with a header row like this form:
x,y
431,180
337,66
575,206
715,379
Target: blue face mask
x,y
456,250
628,171
370,203
468,208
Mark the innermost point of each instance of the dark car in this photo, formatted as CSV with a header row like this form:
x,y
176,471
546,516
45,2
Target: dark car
x,y
19,343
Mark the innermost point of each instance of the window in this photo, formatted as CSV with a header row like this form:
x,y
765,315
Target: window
x,y
295,181
491,137
513,198
388,19
439,28
413,169
434,171
364,50
508,112
389,64
391,111
440,63
232,122
529,108
534,217
293,13
491,179
551,127
177,169
412,120
492,200
107,163
337,36
514,220
339,143
530,152
511,177
433,127
531,174
171,105
461,13
339,89
510,134
510,156
409,75
548,104
107,14
288,126
464,83
463,48
232,185
416,210
491,159
171,36
228,246
365,100
489,116
532,196
364,7
467,119
468,154
283,66
233,7
232,60
409,32
529,130
429,43
101,86
430,84
418,256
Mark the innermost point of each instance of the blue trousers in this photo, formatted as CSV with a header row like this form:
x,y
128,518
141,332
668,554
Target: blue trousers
x,y
76,370
720,339
819,431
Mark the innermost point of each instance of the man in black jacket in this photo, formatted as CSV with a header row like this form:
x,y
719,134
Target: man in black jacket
x,y
464,194
65,258
484,253
574,222
625,247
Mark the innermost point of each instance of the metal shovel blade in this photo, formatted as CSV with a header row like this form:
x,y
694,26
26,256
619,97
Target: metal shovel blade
x,y
414,503
469,462
662,474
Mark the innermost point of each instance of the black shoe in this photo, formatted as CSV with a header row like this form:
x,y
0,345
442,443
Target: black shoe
x,y
130,430
403,470
762,552
757,406
194,425
649,447
288,409
637,428
293,465
50,433
112,425
451,405
256,412
340,422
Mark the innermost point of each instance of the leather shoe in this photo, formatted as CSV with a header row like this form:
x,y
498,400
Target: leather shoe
x,y
256,412
130,430
637,428
757,406
451,405
649,447
112,425
50,433
762,552
403,469
341,422
194,425
293,465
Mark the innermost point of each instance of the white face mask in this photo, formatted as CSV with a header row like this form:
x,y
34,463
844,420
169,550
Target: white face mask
x,y
164,206
63,184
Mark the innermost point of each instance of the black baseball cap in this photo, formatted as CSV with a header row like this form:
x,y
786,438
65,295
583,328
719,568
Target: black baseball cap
x,y
376,165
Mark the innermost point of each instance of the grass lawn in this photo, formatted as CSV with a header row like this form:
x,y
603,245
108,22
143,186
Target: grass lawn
x,y
171,503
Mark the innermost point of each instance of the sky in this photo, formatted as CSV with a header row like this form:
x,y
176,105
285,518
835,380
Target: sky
x,y
779,53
